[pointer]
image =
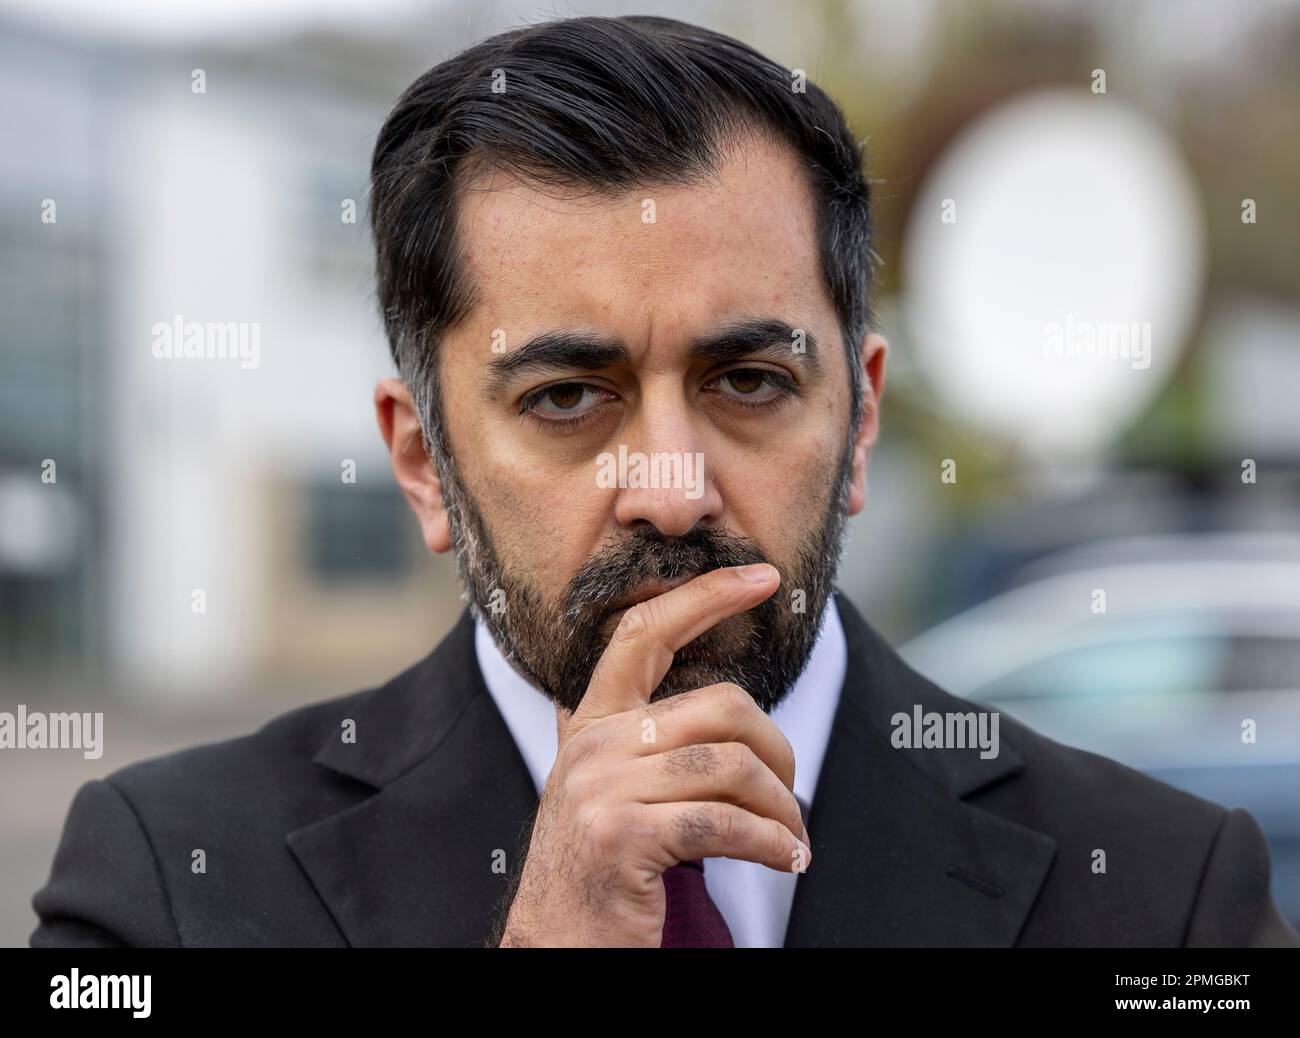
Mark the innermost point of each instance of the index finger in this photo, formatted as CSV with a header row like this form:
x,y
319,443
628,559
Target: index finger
x,y
641,649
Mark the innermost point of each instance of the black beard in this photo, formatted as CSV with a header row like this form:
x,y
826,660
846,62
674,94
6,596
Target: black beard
x,y
557,646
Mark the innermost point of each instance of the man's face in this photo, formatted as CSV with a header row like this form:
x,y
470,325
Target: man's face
x,y
689,342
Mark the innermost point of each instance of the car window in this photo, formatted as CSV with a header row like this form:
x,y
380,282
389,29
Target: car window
x,y
1119,669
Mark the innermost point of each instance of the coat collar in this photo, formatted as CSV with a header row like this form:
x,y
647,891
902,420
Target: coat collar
x,y
901,858
899,855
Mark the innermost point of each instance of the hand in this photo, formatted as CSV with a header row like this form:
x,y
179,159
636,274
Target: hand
x,y
638,787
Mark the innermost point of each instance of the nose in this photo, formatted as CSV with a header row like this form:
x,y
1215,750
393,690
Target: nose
x,y
665,480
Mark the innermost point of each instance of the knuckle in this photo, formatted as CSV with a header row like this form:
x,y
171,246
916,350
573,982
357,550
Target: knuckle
x,y
780,839
736,700
601,828
739,759
727,821
581,785
633,625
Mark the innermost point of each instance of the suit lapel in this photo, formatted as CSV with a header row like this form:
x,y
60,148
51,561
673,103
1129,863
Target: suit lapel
x,y
424,860
900,858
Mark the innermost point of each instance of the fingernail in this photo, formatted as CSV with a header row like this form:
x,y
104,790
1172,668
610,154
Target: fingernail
x,y
759,572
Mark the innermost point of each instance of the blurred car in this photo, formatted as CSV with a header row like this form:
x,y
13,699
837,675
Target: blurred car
x,y
1164,653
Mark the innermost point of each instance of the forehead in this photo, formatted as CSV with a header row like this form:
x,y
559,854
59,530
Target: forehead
x,y
664,258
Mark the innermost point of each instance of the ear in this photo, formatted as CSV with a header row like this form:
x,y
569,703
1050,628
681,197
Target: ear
x,y
872,359
399,424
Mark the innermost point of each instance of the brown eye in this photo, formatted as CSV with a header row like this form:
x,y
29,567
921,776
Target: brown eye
x,y
754,387
565,402
567,396
746,380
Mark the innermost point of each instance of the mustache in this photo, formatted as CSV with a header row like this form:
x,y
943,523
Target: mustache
x,y
621,566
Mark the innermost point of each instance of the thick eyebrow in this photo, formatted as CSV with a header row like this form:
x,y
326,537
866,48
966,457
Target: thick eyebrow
x,y
757,335
588,351
556,351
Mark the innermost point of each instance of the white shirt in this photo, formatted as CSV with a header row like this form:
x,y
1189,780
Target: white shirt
x,y
754,899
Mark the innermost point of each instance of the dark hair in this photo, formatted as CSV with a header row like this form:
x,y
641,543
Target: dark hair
x,y
608,104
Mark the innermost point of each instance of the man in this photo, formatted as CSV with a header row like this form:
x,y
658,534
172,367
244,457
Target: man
x,y
623,265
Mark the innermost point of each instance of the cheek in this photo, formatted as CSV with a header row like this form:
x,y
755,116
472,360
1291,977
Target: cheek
x,y
546,521
816,473
777,496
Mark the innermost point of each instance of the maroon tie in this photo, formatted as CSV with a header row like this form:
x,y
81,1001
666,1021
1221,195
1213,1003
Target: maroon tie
x,y
692,920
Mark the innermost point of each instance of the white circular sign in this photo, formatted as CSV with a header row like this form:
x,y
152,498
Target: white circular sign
x,y
1052,267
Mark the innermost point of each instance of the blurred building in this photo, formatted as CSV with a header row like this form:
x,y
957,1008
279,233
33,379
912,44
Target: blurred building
x,y
210,520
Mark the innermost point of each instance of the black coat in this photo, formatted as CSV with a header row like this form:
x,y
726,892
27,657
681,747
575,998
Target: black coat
x,y
391,840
